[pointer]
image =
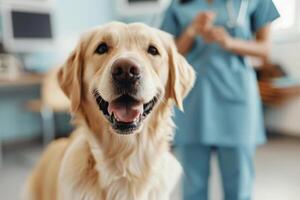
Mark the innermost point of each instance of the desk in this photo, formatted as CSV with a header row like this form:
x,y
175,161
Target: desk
x,y
282,111
24,80
52,101
277,96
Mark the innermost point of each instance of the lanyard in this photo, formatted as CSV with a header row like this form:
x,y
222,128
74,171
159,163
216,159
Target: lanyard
x,y
239,19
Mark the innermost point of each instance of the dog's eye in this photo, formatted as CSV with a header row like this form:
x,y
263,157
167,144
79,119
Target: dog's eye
x,y
102,48
153,50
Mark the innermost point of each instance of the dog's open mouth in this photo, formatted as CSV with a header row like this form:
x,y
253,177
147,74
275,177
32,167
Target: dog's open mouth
x,y
125,113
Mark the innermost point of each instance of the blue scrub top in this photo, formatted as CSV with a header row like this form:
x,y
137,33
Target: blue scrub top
x,y
224,107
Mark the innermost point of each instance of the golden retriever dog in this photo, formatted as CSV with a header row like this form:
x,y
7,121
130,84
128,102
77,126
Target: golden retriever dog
x,y
122,81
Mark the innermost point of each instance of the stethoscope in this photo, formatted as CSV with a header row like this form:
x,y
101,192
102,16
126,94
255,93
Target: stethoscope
x,y
239,19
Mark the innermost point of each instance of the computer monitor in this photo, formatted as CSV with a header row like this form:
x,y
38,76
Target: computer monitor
x,y
27,28
140,7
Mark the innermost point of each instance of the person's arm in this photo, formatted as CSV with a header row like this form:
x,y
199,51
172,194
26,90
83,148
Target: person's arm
x,y
201,24
259,47
185,41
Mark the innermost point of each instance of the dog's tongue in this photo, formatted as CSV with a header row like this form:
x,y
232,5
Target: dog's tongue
x,y
125,113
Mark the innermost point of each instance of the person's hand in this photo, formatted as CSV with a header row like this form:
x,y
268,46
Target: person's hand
x,y
219,35
202,23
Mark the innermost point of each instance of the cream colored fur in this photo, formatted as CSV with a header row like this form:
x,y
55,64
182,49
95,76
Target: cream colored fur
x,y
95,163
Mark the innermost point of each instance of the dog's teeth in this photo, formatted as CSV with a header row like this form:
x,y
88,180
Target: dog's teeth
x,y
137,119
116,118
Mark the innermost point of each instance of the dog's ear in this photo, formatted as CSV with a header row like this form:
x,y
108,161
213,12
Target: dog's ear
x,y
181,74
70,78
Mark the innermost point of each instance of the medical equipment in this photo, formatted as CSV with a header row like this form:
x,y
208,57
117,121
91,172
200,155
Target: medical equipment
x,y
27,28
239,19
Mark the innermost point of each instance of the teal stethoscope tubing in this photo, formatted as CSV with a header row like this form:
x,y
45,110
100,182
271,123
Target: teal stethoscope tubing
x,y
239,19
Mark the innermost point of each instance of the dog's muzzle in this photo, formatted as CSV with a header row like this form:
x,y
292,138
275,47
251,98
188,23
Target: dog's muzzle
x,y
125,113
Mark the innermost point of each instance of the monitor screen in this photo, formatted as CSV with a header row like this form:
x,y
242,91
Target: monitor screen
x,y
30,25
28,28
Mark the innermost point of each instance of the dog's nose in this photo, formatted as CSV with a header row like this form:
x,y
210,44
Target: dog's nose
x,y
125,71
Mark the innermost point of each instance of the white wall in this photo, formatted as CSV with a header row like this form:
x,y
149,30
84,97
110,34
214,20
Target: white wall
x,y
285,119
76,16
288,55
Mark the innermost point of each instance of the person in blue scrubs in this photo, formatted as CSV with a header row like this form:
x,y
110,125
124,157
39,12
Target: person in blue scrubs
x,y
223,113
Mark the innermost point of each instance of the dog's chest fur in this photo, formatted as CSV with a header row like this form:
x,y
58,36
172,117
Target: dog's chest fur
x,y
138,177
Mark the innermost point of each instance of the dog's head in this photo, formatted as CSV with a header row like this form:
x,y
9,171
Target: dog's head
x,y
121,73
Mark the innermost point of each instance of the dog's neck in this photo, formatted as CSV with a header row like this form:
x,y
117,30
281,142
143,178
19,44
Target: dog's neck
x,y
134,157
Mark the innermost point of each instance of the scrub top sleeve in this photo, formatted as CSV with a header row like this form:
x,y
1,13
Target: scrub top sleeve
x,y
264,13
170,22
